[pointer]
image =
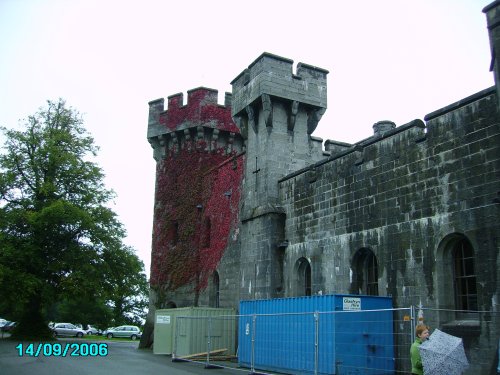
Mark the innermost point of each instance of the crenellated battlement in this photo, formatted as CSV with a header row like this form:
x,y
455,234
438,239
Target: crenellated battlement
x,y
202,119
273,75
390,141
201,109
197,97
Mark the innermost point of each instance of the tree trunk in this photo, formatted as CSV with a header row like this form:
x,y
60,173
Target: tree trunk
x,y
147,338
32,325
196,298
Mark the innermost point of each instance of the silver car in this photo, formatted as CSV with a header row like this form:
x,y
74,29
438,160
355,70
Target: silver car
x,y
67,329
123,331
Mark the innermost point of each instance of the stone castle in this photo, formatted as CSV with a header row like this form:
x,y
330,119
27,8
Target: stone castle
x,y
250,205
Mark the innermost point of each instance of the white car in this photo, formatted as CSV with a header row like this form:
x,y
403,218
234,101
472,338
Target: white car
x,y
3,322
91,330
67,329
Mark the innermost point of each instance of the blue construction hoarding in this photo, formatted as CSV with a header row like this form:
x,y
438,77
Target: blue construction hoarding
x,y
332,334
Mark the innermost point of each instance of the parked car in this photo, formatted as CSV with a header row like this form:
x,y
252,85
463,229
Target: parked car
x,y
123,331
3,322
8,327
91,330
67,329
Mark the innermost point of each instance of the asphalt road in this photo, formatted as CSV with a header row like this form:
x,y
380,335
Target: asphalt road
x,y
123,358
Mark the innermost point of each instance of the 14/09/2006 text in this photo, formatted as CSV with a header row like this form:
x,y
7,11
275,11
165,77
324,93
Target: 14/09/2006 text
x,y
63,350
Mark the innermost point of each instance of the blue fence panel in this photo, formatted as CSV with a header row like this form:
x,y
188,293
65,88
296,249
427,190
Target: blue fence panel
x,y
289,337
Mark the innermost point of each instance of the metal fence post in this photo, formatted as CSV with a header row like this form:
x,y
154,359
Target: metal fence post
x,y
209,329
316,342
177,325
252,364
412,328
498,367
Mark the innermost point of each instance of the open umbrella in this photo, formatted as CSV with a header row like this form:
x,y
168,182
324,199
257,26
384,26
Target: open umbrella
x,y
443,354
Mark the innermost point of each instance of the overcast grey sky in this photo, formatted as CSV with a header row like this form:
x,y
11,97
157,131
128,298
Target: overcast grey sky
x,y
388,60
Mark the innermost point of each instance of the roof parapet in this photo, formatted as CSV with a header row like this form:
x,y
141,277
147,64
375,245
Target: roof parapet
x,y
272,75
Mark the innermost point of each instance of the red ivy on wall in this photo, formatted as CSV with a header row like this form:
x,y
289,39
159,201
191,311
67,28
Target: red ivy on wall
x,y
221,194
201,108
194,188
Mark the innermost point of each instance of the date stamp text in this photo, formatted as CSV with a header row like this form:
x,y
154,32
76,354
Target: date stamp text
x,y
62,350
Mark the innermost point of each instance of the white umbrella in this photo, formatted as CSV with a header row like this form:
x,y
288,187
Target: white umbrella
x,y
443,354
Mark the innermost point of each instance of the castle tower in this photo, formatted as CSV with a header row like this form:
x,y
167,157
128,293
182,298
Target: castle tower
x,y
191,144
276,111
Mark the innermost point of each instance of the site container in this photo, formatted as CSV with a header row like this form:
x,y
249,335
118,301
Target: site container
x,y
192,330
331,334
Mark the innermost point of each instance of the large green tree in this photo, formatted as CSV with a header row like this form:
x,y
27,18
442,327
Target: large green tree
x,y
126,285
120,298
56,228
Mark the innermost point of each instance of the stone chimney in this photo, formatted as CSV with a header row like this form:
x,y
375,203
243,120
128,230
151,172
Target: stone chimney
x,y
382,127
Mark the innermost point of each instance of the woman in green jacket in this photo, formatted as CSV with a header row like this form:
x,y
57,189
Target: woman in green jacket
x,y
422,332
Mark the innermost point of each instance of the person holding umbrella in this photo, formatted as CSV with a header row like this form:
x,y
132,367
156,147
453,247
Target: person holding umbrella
x,y
422,333
443,354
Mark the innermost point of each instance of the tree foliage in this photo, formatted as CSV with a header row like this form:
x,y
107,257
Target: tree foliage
x,y
56,230
126,285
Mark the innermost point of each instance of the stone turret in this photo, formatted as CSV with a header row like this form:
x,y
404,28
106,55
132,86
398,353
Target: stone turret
x,y
201,120
270,78
276,111
198,153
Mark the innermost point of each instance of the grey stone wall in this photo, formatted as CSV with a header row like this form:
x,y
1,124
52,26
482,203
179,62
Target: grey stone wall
x,y
406,195
400,195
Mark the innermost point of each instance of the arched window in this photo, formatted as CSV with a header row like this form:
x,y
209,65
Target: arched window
x,y
207,228
174,232
215,290
464,276
303,270
456,279
365,267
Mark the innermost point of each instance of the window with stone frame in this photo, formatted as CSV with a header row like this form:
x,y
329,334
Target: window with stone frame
x,y
366,272
456,280
464,276
174,232
304,284
214,300
207,227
